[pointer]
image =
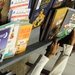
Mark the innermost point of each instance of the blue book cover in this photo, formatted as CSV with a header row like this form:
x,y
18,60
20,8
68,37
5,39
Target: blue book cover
x,y
58,3
4,34
41,8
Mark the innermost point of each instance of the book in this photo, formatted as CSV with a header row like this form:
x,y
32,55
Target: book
x,y
10,47
18,37
68,24
44,27
19,14
4,9
58,3
41,8
4,34
19,3
55,23
23,37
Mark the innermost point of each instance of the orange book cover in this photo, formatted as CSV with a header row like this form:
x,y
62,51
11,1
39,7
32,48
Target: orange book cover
x,y
23,37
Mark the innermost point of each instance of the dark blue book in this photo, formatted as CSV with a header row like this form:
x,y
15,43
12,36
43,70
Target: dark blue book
x,y
41,7
58,3
68,24
4,34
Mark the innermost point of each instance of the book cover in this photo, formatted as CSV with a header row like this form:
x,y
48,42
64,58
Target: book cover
x,y
23,37
44,27
41,8
10,47
58,3
55,24
19,3
68,24
4,34
4,9
19,14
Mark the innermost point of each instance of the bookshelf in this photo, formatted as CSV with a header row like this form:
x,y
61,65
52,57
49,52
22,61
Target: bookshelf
x,y
33,45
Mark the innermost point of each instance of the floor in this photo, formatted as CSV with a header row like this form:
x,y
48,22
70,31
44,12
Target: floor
x,y
70,68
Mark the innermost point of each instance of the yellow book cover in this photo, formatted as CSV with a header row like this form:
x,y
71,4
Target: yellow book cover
x,y
57,22
23,37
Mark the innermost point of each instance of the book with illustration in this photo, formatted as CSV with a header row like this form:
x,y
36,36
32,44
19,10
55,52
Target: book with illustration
x,y
18,37
10,47
4,34
19,14
40,10
68,24
55,24
23,37
19,3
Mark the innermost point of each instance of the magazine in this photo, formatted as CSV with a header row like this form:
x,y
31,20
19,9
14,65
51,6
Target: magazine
x,y
4,34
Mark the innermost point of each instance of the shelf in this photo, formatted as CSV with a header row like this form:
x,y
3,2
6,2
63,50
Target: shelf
x,y
33,45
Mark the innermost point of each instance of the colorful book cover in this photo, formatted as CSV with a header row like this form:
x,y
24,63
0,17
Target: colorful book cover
x,y
19,14
41,8
10,47
23,37
19,3
4,34
68,24
57,21
4,9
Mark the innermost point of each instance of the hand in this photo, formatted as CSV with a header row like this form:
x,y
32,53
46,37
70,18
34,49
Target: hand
x,y
52,49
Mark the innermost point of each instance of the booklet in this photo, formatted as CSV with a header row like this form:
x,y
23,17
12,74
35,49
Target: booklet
x,y
39,12
54,24
68,24
4,34
19,14
10,47
23,37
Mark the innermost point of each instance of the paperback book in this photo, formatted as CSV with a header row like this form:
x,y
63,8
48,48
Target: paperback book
x,y
19,3
68,24
58,3
54,25
40,10
23,37
10,47
4,34
4,9
19,14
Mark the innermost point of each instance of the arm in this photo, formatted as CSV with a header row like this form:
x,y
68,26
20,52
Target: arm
x,y
39,65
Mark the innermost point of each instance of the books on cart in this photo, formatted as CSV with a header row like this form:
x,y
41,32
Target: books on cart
x,y
4,35
16,41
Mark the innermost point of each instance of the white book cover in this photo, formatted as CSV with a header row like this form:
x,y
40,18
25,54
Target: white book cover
x,y
19,3
10,48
